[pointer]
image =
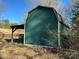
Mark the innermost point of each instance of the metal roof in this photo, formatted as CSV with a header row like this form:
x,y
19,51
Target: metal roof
x,y
51,8
18,26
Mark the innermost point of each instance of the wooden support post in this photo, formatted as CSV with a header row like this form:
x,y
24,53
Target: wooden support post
x,y
13,30
12,36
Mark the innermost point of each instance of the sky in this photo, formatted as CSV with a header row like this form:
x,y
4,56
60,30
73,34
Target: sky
x,y
16,10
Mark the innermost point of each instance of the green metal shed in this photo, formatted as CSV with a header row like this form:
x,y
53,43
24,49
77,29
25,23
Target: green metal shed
x,y
43,26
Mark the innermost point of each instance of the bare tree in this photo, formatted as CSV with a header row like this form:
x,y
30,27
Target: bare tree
x,y
47,3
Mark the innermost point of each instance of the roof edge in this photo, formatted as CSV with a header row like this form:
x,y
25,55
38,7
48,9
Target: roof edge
x,y
40,6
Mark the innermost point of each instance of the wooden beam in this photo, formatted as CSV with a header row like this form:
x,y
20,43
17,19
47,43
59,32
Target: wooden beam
x,y
13,30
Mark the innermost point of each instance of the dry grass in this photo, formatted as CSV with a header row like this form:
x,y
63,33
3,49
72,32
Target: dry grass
x,y
13,51
8,31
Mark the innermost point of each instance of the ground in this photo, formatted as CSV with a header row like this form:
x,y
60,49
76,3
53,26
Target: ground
x,y
14,51
19,51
